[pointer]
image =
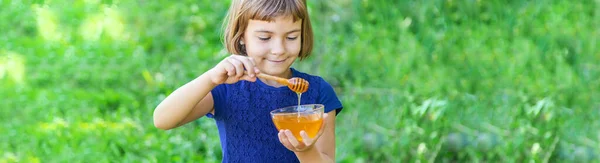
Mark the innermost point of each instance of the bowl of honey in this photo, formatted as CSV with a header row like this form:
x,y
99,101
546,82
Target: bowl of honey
x,y
308,117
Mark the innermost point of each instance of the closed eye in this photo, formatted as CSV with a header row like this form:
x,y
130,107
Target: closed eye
x,y
292,38
264,38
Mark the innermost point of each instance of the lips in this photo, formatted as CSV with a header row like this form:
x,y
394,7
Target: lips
x,y
276,60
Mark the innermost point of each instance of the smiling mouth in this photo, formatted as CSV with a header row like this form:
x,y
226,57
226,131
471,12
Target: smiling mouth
x,y
277,61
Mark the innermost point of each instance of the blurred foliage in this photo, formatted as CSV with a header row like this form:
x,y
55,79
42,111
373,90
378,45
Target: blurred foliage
x,y
437,81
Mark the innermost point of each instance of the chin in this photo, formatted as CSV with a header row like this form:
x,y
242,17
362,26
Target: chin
x,y
275,71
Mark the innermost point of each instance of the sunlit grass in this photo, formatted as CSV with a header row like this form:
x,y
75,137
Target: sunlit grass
x,y
97,124
12,67
47,23
107,21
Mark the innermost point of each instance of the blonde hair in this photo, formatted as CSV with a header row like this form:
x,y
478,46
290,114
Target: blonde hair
x,y
241,11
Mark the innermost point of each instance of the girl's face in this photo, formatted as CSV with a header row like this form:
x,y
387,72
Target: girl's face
x,y
275,45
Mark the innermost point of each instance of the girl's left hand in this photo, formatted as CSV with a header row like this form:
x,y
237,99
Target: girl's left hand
x,y
290,142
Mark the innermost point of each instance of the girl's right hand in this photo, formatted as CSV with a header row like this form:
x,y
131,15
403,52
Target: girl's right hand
x,y
231,70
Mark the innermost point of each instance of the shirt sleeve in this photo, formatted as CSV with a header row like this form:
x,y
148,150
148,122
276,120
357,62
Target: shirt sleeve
x,y
218,94
328,98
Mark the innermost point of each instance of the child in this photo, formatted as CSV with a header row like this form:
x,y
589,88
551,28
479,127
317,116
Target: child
x,y
265,36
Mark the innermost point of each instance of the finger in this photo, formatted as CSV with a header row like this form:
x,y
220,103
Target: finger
x,y
307,140
281,136
292,138
284,140
256,70
252,61
239,67
253,64
248,66
229,68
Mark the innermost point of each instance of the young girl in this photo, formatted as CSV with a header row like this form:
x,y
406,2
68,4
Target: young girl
x,y
265,36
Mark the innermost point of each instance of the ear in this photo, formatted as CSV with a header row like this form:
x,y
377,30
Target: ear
x,y
242,46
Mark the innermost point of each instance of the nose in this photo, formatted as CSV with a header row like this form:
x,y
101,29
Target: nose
x,y
277,47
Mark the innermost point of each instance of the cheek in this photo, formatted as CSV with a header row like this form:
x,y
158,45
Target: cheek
x,y
255,50
294,47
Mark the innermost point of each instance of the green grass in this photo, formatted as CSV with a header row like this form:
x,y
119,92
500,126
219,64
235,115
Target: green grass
x,y
437,81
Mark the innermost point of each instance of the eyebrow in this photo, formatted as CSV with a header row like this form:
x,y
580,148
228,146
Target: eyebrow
x,y
265,31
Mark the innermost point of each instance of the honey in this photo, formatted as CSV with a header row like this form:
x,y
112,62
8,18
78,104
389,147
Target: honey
x,y
311,124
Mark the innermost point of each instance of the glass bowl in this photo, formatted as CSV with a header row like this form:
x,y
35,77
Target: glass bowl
x,y
308,117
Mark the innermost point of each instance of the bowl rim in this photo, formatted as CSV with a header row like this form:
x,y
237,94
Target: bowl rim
x,y
320,108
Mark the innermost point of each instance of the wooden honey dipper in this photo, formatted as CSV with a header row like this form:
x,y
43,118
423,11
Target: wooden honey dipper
x,y
297,85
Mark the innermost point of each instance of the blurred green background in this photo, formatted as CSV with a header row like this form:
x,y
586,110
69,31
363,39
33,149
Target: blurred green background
x,y
421,80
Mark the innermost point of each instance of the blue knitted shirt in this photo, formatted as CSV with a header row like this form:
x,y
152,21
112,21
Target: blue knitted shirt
x,y
242,114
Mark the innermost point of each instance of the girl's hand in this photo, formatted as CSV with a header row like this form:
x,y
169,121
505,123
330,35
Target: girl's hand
x,y
231,70
290,142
